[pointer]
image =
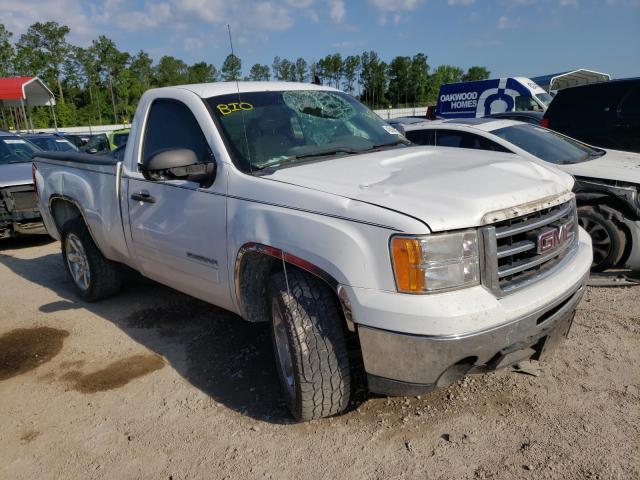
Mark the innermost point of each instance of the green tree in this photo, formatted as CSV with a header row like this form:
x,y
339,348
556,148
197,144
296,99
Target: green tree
x,y
301,73
42,51
476,73
399,80
88,71
6,52
141,67
171,71
259,73
202,72
275,68
373,79
231,68
112,66
441,75
419,80
350,68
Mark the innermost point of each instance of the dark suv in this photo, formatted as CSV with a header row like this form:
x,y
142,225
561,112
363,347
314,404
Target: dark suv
x,y
602,114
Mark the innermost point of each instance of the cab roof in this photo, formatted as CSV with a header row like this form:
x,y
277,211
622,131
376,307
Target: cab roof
x,y
206,90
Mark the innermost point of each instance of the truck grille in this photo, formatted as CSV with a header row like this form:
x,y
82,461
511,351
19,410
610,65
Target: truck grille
x,y
525,249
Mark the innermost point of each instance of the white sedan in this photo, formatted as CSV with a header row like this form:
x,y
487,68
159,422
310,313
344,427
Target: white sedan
x,y
607,181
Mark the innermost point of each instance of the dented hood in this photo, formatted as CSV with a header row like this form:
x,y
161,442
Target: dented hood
x,y
12,174
613,165
446,188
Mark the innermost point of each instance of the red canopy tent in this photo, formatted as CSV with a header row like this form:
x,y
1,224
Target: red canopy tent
x,y
18,93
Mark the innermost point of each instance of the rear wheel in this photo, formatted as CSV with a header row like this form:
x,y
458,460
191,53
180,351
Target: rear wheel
x,y
93,276
607,236
309,344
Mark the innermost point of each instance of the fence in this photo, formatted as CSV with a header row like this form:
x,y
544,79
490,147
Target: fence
x,y
402,112
88,129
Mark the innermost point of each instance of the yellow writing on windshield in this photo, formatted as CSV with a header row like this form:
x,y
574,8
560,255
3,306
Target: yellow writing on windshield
x,y
227,108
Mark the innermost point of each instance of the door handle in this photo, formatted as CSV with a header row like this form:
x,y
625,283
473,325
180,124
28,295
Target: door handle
x,y
143,196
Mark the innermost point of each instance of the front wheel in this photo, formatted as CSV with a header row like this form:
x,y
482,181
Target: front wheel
x,y
608,238
309,344
93,276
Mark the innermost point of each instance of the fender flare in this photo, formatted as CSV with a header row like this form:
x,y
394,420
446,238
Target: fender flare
x,y
289,258
76,204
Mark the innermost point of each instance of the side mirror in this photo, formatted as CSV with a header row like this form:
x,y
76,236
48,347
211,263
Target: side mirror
x,y
92,151
179,163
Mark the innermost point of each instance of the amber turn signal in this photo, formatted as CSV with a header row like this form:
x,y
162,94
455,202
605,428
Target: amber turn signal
x,y
407,260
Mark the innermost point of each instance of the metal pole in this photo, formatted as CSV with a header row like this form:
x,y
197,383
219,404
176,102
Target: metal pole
x,y
4,119
24,115
53,114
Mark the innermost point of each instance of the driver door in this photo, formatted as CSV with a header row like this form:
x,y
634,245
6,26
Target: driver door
x,y
177,228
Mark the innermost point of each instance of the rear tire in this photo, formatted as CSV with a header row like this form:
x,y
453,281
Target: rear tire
x,y
93,276
608,238
309,345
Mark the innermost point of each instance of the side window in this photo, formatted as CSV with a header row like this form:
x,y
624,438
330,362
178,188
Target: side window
x,y
523,103
452,138
421,137
486,144
170,125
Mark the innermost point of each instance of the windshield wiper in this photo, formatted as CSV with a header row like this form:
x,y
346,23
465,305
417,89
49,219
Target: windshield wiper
x,y
317,153
391,144
326,152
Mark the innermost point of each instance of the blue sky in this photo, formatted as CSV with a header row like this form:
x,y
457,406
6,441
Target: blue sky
x,y
510,37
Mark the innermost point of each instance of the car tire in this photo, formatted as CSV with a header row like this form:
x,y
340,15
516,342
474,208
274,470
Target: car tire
x,y
309,344
607,236
93,276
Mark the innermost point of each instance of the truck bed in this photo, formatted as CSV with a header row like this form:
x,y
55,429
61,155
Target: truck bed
x,y
93,185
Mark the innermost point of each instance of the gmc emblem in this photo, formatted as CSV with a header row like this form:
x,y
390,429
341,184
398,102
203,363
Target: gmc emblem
x,y
551,239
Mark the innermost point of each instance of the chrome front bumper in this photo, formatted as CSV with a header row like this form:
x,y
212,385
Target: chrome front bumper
x,y
401,364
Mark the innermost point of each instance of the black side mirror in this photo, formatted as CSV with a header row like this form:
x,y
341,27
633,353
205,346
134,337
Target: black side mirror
x,y
179,163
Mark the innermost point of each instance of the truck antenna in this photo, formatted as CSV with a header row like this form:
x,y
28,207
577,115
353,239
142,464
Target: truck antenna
x,y
244,126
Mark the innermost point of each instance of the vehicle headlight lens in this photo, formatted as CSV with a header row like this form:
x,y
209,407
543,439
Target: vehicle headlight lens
x,y
434,263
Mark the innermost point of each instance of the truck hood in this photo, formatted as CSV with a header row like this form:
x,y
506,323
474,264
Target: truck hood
x,y
445,188
613,165
15,174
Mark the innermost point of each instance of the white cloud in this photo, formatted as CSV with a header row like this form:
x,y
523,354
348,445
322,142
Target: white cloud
x,y
337,11
568,3
508,23
460,2
394,5
18,16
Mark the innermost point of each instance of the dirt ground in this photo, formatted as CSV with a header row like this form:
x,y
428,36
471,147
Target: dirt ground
x,y
154,384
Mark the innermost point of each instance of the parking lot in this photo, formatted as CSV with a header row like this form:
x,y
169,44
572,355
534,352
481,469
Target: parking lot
x,y
154,384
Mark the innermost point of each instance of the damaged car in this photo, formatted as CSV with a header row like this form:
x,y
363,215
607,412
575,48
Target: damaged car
x,y
607,181
19,212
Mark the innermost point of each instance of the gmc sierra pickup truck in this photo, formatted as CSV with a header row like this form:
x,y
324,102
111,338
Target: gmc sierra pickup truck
x,y
296,205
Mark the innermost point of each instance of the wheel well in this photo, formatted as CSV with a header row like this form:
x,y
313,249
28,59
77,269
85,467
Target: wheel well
x,y
252,277
62,211
594,199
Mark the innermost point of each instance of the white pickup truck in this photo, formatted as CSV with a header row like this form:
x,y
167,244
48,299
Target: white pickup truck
x,y
294,204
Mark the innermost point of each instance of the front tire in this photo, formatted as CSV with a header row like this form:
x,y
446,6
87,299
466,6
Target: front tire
x,y
608,239
309,344
93,276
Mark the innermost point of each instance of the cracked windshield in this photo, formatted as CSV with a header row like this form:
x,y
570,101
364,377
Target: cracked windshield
x,y
273,129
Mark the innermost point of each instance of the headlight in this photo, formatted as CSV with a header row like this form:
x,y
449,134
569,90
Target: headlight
x,y
434,263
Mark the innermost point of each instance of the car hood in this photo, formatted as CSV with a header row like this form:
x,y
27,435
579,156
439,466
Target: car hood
x,y
446,188
15,174
613,165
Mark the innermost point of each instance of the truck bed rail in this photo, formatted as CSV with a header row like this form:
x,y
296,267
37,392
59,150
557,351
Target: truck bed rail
x,y
77,157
